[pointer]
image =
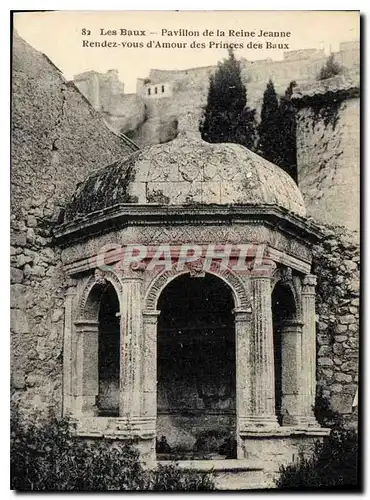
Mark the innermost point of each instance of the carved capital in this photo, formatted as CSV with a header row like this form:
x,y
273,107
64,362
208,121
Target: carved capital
x,y
135,270
242,315
151,317
308,284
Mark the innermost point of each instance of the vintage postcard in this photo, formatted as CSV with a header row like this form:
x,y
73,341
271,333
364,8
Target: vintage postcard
x,y
185,250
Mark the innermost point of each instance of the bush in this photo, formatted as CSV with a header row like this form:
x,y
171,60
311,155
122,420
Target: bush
x,y
331,68
46,457
171,478
324,413
334,463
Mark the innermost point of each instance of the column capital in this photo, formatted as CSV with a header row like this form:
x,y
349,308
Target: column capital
x,y
86,325
151,316
293,323
308,284
133,272
241,315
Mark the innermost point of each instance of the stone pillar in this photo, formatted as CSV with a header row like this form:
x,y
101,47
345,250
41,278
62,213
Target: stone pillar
x,y
85,378
308,373
255,403
149,374
68,351
291,369
131,347
244,370
263,413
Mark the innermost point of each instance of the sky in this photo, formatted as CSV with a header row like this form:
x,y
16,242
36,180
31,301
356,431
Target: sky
x,y
60,36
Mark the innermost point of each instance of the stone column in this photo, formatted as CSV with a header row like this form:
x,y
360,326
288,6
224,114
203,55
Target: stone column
x,y
262,355
244,370
131,346
68,350
291,369
308,373
85,378
149,373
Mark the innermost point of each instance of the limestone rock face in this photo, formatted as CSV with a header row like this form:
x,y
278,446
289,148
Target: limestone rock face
x,y
188,170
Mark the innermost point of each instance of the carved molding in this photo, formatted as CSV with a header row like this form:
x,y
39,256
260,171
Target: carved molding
x,y
235,282
99,281
284,276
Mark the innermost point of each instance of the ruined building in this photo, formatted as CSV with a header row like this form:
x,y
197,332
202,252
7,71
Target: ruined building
x,y
199,353
150,115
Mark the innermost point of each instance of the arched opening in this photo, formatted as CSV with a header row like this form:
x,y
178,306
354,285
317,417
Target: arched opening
x,y
196,369
283,313
109,353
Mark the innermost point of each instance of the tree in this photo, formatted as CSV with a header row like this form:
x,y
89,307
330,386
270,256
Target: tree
x,y
227,117
288,158
330,68
277,130
269,129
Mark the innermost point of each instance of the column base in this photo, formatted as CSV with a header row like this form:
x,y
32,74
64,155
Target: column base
x,y
83,406
257,423
306,421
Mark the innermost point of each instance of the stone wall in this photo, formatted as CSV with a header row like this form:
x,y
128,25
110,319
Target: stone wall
x,y
189,87
57,140
328,150
337,266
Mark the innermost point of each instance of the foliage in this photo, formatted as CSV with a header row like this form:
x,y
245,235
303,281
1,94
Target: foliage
x,y
171,478
288,160
324,414
46,457
330,68
227,117
334,463
277,130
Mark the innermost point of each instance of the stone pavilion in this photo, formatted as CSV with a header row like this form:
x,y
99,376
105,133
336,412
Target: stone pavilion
x,y
199,356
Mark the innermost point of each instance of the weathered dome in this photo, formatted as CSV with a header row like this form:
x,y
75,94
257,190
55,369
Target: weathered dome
x,y
188,170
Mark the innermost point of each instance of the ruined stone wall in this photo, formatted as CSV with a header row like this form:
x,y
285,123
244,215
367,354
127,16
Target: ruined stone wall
x,y
129,113
328,153
337,266
57,140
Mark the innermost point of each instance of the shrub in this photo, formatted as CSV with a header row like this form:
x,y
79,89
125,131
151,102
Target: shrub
x,y
324,413
46,457
331,68
333,464
171,478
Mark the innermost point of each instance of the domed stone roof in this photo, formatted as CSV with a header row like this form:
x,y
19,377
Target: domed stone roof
x,y
188,170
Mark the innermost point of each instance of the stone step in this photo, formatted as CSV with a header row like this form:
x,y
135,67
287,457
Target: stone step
x,y
230,474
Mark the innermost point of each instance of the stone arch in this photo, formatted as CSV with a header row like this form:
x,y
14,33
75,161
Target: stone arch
x,y
236,284
93,291
283,276
287,335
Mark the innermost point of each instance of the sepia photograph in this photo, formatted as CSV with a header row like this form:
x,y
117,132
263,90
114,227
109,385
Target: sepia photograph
x,y
185,251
